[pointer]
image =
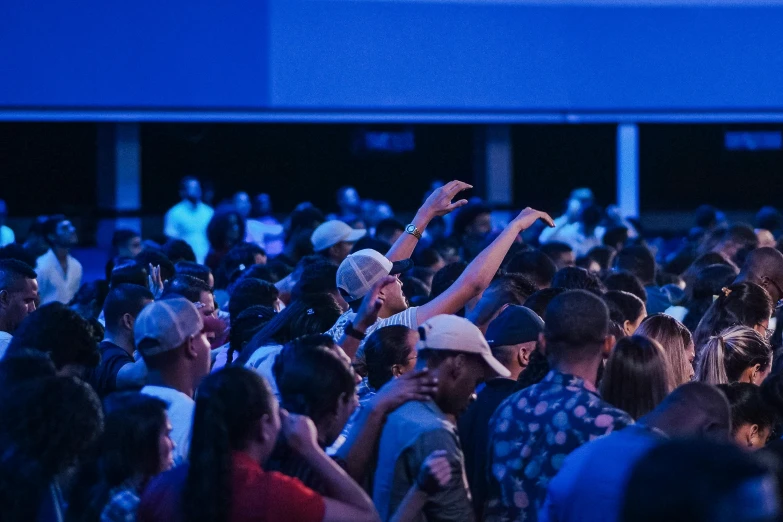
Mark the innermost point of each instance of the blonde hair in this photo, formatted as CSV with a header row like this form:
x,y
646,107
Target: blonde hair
x,y
675,339
731,352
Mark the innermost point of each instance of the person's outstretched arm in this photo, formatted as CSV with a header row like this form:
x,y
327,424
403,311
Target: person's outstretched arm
x,y
438,204
481,270
345,499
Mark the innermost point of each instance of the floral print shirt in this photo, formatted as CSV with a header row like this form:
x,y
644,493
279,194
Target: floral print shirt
x,y
532,432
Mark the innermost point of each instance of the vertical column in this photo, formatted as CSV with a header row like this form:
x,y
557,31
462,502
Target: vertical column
x,y
119,179
493,167
628,169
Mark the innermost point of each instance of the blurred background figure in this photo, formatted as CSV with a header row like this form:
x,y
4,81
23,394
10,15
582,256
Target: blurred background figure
x,y
188,219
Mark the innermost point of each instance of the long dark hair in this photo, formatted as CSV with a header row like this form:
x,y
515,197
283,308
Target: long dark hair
x,y
46,426
636,378
128,450
700,294
675,340
229,404
383,349
311,314
746,304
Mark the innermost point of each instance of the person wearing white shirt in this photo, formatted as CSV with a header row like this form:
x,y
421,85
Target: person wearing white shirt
x,y
18,298
170,336
188,219
6,234
59,273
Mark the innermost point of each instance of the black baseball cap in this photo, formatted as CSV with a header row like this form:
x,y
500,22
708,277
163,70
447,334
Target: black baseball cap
x,y
515,325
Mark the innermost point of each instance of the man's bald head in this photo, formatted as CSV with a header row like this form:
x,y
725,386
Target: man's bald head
x,y
693,409
764,266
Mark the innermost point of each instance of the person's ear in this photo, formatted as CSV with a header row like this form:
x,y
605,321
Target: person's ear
x,y
396,370
190,349
754,374
523,355
5,298
753,431
457,365
542,344
608,345
128,321
627,326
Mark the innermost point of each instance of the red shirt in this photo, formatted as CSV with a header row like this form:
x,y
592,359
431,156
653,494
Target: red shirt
x,y
257,496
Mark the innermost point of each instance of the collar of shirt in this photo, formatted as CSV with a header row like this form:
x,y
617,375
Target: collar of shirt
x,y
566,379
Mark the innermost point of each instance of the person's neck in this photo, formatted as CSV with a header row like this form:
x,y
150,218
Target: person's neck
x,y
61,253
192,204
123,341
515,370
171,379
585,370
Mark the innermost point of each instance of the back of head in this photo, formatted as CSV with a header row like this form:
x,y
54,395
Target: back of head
x,y
466,216
505,289
387,228
706,216
731,352
637,260
577,323
178,251
765,262
22,366
191,268
62,333
711,280
575,278
18,252
603,255
271,273
637,376
698,481
247,324
151,256
384,348
535,265
630,307
615,237
130,442
446,276
312,314
311,376
749,406
539,301
555,249
133,273
51,424
229,405
317,278
185,286
694,409
769,218
249,292
675,339
746,304
625,282
237,260
121,300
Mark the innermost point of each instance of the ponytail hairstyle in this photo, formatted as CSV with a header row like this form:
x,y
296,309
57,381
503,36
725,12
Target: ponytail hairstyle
x,y
675,339
229,404
311,377
730,353
245,326
745,304
312,314
637,376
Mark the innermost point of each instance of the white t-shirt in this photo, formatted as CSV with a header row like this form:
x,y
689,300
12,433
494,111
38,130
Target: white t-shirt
x,y
180,409
406,318
54,285
5,340
189,224
6,236
262,361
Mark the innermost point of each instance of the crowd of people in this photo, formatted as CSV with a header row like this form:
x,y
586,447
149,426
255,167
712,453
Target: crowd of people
x,y
356,367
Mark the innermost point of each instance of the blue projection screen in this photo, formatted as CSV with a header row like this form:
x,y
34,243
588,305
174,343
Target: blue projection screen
x,y
325,60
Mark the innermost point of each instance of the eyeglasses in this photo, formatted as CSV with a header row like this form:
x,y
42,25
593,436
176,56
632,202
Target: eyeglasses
x,y
768,332
779,304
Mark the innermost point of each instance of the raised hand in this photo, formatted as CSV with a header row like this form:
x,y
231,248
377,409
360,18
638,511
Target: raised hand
x,y
527,217
416,385
439,203
299,432
155,281
435,473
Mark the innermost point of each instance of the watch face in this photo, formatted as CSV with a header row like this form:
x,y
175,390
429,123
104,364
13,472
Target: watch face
x,y
410,229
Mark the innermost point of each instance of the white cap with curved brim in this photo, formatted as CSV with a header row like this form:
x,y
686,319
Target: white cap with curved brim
x,y
457,334
332,232
360,270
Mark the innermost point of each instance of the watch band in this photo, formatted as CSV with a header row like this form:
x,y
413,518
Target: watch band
x,y
412,230
350,331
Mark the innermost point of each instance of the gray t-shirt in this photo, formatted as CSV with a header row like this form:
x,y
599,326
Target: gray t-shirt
x,y
410,435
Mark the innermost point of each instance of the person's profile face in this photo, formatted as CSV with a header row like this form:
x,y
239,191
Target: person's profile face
x,y
394,298
20,303
202,349
132,248
565,260
65,236
207,301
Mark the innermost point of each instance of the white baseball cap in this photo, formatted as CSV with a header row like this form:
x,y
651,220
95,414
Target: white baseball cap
x,y
361,270
457,334
332,232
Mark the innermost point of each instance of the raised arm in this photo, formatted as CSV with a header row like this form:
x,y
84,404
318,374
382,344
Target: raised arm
x,y
438,204
481,270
